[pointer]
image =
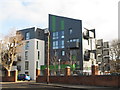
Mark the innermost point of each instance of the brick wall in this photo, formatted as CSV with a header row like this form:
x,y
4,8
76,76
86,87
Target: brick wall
x,y
97,80
8,79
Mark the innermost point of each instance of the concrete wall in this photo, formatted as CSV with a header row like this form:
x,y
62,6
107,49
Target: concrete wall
x,y
98,80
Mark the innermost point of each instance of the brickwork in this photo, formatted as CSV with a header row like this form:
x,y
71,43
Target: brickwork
x,y
96,80
10,78
37,72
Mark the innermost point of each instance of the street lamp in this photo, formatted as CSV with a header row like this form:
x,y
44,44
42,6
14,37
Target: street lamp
x,y
59,66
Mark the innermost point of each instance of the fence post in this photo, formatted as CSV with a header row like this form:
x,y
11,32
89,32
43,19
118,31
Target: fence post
x,y
15,75
8,73
94,70
67,72
37,72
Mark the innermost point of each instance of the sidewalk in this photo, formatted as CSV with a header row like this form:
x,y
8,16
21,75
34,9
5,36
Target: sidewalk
x,y
84,87
67,86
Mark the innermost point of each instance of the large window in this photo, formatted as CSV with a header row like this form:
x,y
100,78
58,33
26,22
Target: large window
x,y
26,55
26,65
55,35
55,44
62,44
27,35
27,45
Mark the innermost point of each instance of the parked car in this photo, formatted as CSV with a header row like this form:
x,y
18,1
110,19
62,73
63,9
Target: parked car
x,y
24,77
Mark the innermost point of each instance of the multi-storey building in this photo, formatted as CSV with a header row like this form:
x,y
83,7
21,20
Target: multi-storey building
x,y
66,42
32,55
103,58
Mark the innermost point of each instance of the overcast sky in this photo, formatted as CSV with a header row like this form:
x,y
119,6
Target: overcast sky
x,y
99,14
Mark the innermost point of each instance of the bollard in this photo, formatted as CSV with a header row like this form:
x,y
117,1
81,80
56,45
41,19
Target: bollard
x,y
15,75
8,73
94,70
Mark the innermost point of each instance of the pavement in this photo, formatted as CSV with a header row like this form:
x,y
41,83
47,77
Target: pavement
x,y
35,86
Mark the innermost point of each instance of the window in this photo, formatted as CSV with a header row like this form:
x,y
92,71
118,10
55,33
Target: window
x,y
26,55
70,30
55,44
26,65
37,44
38,55
37,64
27,45
55,35
73,40
62,44
62,34
27,35
63,53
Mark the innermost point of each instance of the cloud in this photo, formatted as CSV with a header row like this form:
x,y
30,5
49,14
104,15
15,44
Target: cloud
x,y
98,14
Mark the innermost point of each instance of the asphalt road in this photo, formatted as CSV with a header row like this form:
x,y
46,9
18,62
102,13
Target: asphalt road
x,y
32,85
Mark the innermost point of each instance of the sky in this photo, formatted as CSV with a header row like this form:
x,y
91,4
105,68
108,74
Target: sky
x,y
101,15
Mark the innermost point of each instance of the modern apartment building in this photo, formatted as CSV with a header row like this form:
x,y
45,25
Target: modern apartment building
x,y
67,43
103,58
89,49
32,55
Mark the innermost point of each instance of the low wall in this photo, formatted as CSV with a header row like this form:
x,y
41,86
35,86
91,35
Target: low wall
x,y
97,80
8,79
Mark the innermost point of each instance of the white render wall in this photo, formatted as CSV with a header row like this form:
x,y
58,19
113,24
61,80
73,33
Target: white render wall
x,y
32,57
87,64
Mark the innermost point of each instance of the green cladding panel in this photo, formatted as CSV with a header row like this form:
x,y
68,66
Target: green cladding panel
x,y
62,24
53,23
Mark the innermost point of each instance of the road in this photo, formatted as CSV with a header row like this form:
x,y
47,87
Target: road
x,y
32,85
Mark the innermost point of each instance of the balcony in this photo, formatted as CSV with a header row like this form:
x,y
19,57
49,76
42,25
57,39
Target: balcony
x,y
73,45
99,47
106,56
19,58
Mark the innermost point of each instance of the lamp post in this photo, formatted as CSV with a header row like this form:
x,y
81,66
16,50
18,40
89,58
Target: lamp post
x,y
48,60
59,66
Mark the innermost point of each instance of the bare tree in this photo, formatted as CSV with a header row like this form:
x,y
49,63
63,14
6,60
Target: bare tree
x,y
10,45
115,50
115,55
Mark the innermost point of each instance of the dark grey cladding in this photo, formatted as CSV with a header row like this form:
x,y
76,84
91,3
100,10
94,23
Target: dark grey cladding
x,y
34,33
72,42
